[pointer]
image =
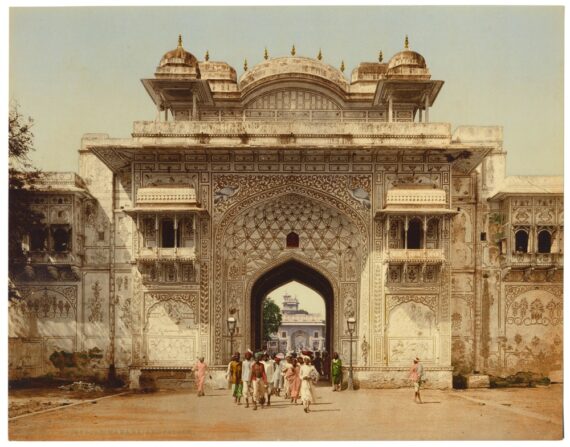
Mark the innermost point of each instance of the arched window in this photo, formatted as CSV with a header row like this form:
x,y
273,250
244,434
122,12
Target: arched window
x,y
521,241
167,233
544,241
38,239
292,240
415,234
61,238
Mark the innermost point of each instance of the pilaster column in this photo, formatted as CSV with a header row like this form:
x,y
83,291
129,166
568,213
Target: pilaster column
x,y
427,108
406,233
390,110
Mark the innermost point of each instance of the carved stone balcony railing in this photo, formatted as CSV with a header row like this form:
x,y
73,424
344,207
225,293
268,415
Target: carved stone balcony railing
x,y
538,260
54,258
427,256
179,254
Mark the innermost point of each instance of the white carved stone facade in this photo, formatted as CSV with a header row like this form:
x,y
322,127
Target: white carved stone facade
x,y
409,226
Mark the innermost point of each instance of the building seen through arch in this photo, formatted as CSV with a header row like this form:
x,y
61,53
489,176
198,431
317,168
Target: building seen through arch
x,y
300,329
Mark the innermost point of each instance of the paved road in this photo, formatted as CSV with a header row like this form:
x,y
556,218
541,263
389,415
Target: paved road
x,y
359,415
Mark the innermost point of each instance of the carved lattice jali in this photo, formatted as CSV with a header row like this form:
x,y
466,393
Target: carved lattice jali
x,y
252,224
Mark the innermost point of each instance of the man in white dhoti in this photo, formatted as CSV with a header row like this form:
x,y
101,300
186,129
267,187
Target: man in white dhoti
x,y
258,381
269,366
246,376
277,375
286,365
309,377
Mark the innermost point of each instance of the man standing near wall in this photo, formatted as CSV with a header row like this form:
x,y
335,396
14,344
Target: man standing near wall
x,y
417,378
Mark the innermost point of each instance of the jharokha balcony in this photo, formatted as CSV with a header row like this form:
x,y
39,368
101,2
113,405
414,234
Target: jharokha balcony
x,y
539,260
177,254
427,256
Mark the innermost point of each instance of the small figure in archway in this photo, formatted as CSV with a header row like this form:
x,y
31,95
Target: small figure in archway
x,y
277,374
269,365
318,363
294,379
200,374
417,378
336,372
287,364
258,381
246,376
309,376
235,378
326,365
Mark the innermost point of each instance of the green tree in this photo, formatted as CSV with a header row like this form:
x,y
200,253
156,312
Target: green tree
x,y
271,318
22,178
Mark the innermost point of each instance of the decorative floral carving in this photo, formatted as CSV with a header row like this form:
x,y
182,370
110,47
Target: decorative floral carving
x,y
96,304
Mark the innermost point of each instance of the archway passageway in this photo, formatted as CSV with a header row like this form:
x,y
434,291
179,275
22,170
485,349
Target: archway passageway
x,y
283,274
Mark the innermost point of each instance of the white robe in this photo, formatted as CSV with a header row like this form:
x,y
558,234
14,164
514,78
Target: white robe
x,y
308,372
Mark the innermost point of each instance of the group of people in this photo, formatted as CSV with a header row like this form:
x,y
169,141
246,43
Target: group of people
x,y
259,377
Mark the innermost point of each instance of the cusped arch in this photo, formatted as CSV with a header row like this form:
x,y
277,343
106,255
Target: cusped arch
x,y
287,268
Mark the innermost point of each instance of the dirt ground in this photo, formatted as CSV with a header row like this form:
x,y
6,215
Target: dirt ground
x,y
30,400
498,414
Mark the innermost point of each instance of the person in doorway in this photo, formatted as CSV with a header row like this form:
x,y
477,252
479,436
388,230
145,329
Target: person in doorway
x,y
269,365
326,365
336,372
258,381
246,376
294,379
200,370
288,363
235,371
417,378
277,375
318,363
309,377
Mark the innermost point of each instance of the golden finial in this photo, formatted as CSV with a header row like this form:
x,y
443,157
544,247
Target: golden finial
x,y
342,66
380,56
293,51
207,56
245,65
406,43
266,54
180,40
320,55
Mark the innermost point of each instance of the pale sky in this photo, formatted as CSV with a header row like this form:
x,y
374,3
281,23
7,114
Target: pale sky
x,y
309,300
78,70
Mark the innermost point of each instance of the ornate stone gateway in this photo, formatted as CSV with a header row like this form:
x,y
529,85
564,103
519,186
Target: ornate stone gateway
x,y
293,172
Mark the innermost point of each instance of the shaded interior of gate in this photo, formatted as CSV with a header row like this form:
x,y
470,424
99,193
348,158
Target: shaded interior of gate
x,y
283,274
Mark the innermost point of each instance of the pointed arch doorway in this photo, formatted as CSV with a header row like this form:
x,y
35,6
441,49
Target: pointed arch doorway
x,y
282,274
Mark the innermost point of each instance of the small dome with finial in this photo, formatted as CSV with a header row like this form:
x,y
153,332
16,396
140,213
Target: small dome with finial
x,y
178,63
408,63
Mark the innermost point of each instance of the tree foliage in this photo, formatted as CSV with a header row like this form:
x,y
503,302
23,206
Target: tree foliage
x,y
271,318
22,180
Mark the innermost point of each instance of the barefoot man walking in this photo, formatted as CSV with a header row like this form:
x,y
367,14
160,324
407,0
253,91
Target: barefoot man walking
x,y
417,377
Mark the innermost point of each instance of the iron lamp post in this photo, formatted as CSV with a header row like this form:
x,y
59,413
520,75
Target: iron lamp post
x,y
232,330
351,324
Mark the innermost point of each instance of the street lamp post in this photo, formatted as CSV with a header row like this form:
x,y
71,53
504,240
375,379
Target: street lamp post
x,y
231,329
351,323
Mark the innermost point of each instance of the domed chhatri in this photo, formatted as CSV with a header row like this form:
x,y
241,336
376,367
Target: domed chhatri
x,y
408,63
178,63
